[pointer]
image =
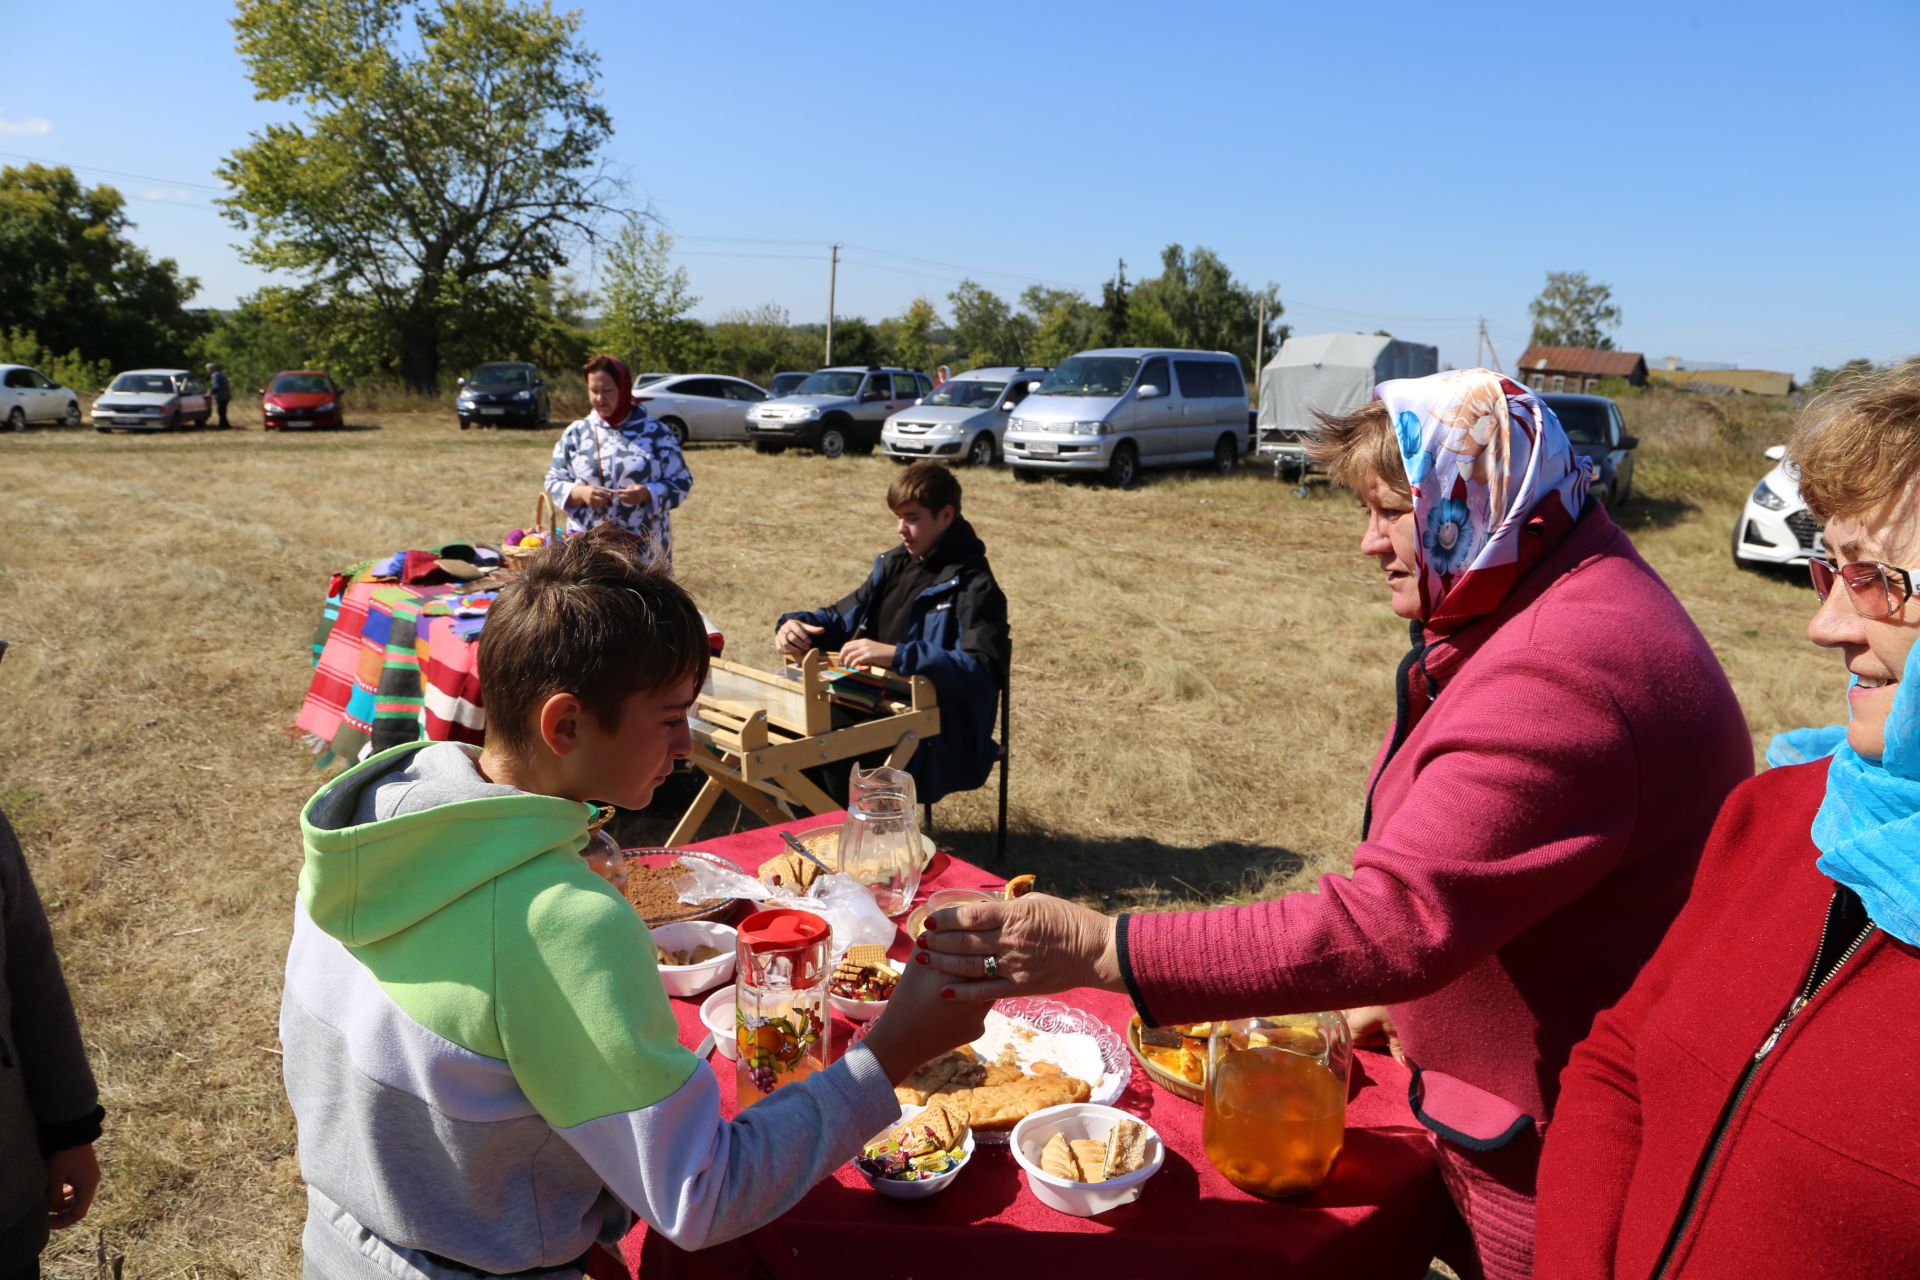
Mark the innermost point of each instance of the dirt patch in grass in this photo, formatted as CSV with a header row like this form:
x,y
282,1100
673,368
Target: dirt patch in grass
x,y
1202,673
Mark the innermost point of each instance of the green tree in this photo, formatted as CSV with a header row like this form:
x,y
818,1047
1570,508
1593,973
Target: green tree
x,y
1063,323
760,342
446,157
984,332
1116,310
72,370
1195,302
910,338
1573,311
647,319
74,279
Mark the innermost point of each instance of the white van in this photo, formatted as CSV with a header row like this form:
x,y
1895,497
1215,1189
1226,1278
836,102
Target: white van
x,y
1119,409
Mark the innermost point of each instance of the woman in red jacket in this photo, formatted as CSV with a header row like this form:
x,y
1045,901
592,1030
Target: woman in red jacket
x,y
1563,739
1751,1107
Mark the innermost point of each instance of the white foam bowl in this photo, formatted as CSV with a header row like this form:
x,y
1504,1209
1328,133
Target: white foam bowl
x,y
1081,1120
863,1010
920,1188
718,1015
685,980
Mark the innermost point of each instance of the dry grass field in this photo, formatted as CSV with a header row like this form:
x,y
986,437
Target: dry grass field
x,y
1202,672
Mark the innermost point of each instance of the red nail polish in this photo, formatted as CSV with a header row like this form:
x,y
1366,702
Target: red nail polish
x,y
919,957
946,993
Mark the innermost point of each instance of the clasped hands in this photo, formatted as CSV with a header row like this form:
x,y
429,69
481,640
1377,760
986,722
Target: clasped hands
x,y
599,497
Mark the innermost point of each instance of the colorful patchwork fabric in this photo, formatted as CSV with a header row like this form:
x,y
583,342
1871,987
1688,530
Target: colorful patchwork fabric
x,y
1496,485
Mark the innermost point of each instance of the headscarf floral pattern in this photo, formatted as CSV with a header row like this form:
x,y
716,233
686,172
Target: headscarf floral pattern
x,y
1495,484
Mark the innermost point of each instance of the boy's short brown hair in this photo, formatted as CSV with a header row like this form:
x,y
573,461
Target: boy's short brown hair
x,y
1858,444
1350,445
596,616
928,483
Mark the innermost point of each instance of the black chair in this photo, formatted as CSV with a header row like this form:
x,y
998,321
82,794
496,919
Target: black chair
x,y
1006,750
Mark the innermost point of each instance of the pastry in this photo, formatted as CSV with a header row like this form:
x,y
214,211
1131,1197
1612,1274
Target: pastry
x,y
790,871
955,1069
1126,1148
941,1127
868,955
1056,1159
995,1108
1090,1157
1018,887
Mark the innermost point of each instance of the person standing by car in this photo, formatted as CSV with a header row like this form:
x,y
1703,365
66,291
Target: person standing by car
x,y
221,391
617,464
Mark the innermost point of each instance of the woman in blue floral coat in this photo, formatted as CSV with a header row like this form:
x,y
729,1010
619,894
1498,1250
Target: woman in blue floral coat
x,y
617,464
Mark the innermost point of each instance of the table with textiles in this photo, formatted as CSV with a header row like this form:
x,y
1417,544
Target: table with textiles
x,y
1382,1214
393,663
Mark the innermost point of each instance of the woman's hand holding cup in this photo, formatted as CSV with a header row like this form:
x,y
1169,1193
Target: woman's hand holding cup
x,y
1039,945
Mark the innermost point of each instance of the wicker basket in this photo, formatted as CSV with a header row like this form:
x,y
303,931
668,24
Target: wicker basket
x,y
546,520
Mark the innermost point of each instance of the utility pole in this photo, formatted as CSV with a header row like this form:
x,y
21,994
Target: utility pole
x,y
1260,343
1486,342
833,280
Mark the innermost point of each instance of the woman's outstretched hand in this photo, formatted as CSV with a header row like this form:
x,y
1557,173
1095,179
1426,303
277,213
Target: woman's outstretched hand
x,y
1040,945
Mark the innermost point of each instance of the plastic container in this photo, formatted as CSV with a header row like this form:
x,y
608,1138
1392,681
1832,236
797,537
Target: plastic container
x,y
684,980
1081,1120
920,1188
718,1016
781,1012
944,898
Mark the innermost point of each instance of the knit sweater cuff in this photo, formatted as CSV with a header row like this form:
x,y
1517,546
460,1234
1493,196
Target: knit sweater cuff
x,y
71,1133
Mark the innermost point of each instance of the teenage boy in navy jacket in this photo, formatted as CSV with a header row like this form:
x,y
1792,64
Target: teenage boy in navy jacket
x,y
929,608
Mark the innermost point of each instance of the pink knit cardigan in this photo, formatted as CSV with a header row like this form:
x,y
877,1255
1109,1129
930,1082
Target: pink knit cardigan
x,y
1531,838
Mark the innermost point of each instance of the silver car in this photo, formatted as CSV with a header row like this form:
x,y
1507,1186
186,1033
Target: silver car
x,y
700,406
836,410
152,400
28,395
964,417
1114,411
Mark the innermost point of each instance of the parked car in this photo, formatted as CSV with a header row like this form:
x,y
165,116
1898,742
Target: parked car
x,y
1775,528
28,395
699,406
1599,434
301,398
1114,411
835,409
648,379
501,392
965,416
152,400
785,384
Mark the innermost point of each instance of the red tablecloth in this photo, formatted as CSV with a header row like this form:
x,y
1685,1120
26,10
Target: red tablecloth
x,y
1382,1214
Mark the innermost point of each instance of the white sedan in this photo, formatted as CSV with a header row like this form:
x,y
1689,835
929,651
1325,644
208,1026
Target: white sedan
x,y
28,395
1775,527
700,406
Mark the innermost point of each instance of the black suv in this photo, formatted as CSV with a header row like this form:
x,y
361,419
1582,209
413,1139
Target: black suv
x,y
500,392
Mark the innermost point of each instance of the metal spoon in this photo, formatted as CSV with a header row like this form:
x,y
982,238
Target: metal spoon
x,y
794,844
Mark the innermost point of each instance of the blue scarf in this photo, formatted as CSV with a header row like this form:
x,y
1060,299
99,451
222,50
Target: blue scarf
x,y
1868,826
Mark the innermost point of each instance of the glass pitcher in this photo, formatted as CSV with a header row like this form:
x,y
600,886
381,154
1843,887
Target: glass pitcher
x,y
780,1002
880,837
1275,1113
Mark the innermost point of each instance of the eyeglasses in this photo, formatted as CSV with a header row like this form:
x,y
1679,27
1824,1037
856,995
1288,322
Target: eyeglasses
x,y
1877,590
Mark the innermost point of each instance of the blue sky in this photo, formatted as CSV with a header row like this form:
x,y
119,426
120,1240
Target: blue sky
x,y
1741,174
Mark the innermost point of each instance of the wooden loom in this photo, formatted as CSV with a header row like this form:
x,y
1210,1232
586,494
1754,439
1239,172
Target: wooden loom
x,y
754,731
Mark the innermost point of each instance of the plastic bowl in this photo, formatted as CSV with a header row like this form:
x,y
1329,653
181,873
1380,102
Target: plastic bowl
x,y
718,1015
862,1010
1081,1120
921,1188
685,980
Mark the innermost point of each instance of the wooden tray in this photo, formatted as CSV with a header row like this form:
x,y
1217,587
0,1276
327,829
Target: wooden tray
x,y
1178,1085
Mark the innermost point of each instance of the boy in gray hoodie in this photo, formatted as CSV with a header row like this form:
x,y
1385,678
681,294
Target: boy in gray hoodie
x,y
481,1059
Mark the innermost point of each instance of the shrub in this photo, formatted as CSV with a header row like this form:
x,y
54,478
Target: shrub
x,y
22,346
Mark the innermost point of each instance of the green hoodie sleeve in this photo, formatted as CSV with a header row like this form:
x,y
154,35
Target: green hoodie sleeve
x,y
582,1015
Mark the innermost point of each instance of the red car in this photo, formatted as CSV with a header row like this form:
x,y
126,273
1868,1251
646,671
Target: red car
x,y
301,398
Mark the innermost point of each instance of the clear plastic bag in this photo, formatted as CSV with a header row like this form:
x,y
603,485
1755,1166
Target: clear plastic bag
x,y
844,903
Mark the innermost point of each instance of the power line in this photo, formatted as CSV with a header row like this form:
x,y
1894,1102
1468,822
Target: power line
x,y
115,173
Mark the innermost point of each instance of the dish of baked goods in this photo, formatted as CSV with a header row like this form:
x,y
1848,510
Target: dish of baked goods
x,y
1175,1057
653,879
1034,1054
920,1154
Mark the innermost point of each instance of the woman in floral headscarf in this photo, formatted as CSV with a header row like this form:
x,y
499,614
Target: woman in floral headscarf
x,y
617,464
1562,739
